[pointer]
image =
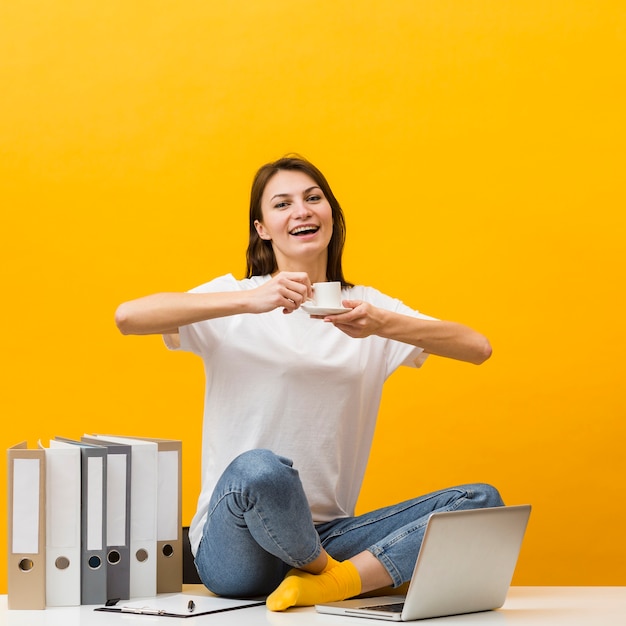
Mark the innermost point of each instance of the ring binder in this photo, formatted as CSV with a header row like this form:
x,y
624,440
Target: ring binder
x,y
26,527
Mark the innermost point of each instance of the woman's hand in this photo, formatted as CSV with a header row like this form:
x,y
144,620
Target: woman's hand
x,y
439,337
165,313
287,290
362,321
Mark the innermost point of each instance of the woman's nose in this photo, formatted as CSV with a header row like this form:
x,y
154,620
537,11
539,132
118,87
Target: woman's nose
x,y
301,209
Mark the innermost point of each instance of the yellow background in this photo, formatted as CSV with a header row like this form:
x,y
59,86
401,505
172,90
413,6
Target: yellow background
x,y
478,151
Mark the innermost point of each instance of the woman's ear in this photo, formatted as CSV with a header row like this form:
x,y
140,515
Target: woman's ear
x,y
260,229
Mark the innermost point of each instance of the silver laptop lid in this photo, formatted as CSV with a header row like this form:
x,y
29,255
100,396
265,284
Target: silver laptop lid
x,y
466,561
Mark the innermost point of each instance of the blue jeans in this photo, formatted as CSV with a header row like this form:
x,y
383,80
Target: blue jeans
x,y
259,526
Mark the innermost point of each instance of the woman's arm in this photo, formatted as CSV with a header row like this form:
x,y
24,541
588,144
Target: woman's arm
x,y
165,313
442,338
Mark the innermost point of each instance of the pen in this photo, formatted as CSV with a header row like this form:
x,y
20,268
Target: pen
x,y
191,606
141,611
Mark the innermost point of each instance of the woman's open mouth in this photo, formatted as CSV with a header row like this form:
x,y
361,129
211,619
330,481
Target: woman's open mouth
x,y
302,231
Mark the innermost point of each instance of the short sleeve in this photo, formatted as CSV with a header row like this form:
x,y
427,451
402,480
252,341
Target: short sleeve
x,y
398,353
202,337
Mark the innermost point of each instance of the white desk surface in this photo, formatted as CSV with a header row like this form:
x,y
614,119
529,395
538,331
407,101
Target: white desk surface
x,y
525,606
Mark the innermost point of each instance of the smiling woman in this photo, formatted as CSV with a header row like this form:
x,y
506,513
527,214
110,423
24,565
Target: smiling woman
x,y
297,223
261,256
291,404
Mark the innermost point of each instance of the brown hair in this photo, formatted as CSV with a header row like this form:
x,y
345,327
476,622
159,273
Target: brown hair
x,y
260,256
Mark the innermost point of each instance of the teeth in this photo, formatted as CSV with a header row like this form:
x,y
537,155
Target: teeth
x,y
303,229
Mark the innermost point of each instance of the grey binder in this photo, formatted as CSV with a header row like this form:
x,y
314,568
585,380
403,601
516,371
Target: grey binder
x,y
93,516
143,514
118,517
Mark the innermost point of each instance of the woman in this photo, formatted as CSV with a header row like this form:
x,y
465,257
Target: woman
x,y
291,404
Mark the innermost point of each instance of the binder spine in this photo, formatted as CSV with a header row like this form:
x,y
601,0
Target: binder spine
x,y
26,528
93,533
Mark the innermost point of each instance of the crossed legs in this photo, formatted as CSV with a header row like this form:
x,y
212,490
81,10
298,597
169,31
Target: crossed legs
x,y
259,537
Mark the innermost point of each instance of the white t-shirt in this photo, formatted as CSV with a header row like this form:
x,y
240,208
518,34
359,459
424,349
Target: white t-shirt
x,y
297,386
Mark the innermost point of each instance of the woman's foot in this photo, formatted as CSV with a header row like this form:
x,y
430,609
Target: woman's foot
x,y
337,581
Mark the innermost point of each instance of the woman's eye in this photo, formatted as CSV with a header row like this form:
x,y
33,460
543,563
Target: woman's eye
x,y
281,205
314,198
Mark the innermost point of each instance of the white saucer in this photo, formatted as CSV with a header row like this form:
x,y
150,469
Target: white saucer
x,y
311,309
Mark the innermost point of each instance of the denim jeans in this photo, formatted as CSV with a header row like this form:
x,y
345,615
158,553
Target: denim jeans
x,y
259,526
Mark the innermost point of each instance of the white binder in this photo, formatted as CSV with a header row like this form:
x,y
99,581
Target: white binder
x,y
169,515
93,571
63,502
143,514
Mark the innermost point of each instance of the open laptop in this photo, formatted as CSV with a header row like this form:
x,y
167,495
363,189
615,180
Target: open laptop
x,y
465,565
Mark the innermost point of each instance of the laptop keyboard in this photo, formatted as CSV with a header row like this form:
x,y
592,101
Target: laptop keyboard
x,y
388,608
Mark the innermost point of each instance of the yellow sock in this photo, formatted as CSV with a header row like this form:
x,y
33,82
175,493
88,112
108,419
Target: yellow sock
x,y
337,581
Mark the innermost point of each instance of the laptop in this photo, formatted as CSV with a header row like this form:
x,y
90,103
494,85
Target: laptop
x,y
465,565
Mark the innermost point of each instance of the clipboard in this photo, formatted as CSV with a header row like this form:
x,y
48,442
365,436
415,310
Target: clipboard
x,y
181,605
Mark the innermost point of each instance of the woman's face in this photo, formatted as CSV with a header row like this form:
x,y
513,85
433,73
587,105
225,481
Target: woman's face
x,y
297,218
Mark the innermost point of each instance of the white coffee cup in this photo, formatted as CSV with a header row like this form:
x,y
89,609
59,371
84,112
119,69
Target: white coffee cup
x,y
327,295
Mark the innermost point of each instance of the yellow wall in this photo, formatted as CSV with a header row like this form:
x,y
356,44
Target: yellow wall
x,y
478,151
